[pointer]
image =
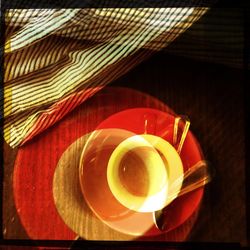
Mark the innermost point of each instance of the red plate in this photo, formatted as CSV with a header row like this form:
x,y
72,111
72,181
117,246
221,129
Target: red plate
x,y
36,162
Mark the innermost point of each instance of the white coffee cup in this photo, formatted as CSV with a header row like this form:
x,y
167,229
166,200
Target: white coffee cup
x,y
140,170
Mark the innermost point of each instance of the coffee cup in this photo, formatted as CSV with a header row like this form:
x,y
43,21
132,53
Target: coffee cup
x,y
138,172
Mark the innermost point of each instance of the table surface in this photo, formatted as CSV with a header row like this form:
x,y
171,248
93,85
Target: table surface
x,y
212,96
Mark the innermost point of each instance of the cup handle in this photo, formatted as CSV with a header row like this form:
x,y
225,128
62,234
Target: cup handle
x,y
178,140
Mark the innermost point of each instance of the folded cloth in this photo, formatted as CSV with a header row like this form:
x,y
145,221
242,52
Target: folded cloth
x,y
57,58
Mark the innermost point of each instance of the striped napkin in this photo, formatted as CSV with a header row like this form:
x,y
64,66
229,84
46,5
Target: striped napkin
x,y
57,58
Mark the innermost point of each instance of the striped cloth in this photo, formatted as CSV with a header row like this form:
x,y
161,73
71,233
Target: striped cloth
x,y
57,58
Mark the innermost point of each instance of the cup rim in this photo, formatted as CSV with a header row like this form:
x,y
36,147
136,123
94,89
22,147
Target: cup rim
x,y
155,201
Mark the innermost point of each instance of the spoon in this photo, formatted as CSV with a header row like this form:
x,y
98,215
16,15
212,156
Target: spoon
x,y
176,136
195,177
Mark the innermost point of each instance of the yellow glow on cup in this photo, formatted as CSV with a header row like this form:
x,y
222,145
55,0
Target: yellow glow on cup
x,y
146,154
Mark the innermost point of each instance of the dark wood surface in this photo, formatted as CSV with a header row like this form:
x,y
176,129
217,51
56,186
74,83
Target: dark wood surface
x,y
213,98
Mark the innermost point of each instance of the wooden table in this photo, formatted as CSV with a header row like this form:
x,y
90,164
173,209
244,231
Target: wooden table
x,y
213,98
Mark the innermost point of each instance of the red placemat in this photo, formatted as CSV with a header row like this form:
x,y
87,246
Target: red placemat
x,y
36,161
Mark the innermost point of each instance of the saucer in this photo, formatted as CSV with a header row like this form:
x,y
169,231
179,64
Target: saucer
x,y
160,124
78,216
96,191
